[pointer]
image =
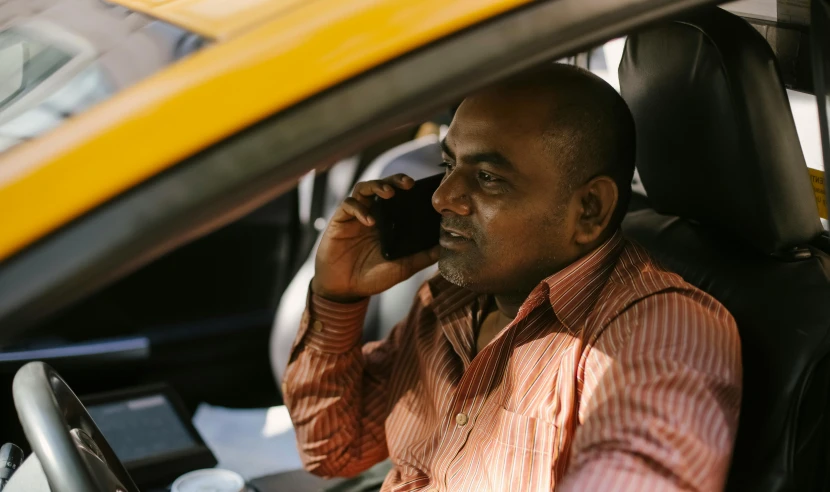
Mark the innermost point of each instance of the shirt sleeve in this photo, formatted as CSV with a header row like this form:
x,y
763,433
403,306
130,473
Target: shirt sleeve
x,y
335,390
660,401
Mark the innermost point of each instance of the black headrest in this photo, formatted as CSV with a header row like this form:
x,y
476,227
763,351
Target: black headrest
x,y
716,141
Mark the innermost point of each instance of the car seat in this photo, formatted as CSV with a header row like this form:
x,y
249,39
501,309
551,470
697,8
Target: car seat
x,y
734,214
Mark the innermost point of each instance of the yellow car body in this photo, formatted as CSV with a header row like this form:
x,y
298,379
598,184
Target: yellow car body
x,y
268,55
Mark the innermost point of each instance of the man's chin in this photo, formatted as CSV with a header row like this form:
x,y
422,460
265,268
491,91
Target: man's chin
x,y
469,272
453,270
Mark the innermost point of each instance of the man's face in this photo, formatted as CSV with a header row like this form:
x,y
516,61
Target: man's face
x,y
506,220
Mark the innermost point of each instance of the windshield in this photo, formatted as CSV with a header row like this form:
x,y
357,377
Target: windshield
x,y
64,56
25,63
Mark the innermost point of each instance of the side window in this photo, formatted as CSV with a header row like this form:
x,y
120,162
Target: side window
x,y
604,61
805,114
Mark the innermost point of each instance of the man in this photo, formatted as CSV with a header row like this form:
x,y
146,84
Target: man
x,y
550,352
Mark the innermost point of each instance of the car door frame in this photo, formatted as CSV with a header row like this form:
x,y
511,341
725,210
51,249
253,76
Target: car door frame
x,y
209,189
820,49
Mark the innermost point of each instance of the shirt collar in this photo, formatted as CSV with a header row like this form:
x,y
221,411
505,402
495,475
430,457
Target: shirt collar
x,y
445,297
572,291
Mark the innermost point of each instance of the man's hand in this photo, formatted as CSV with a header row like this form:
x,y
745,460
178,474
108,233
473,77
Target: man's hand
x,y
349,265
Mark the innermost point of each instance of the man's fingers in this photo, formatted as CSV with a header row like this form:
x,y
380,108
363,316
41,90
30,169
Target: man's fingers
x,y
358,210
384,188
368,189
401,181
358,204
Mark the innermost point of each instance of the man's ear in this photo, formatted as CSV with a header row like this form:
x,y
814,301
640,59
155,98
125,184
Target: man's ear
x,y
598,199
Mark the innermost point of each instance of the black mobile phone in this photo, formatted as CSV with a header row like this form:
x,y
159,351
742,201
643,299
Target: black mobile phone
x,y
407,223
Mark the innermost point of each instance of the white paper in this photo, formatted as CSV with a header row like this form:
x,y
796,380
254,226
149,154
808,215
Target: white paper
x,y
252,442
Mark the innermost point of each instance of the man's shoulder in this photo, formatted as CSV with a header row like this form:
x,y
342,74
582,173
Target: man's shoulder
x,y
638,276
647,309
639,272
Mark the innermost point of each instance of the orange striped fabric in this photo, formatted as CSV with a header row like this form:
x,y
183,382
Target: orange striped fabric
x,y
615,375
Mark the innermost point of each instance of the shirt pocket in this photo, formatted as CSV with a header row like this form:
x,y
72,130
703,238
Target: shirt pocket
x,y
519,453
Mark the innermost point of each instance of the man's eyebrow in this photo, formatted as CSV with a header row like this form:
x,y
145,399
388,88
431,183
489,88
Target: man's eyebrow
x,y
446,148
495,158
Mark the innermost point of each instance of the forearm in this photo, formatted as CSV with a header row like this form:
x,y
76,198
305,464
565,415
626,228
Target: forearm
x,y
327,393
621,472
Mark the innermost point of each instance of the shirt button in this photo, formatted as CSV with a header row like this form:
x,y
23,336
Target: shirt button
x,y
317,326
461,419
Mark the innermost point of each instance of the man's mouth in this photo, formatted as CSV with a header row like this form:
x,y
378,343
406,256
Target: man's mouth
x,y
455,233
454,239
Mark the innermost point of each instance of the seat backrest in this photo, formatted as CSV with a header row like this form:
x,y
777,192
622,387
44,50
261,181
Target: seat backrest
x,y
734,214
418,158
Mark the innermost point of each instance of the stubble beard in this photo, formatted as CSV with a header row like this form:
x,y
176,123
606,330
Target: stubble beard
x,y
457,269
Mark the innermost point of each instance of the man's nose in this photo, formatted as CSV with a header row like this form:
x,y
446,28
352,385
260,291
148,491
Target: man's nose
x,y
452,196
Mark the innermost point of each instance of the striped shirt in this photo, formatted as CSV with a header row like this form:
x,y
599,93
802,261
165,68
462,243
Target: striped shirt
x,y
614,375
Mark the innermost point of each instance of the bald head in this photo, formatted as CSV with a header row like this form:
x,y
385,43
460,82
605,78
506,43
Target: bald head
x,y
584,124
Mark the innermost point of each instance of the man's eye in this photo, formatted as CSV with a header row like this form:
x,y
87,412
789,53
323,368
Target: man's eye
x,y
487,178
446,165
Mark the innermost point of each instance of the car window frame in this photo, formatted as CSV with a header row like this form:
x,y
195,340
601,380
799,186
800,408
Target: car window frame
x,y
210,189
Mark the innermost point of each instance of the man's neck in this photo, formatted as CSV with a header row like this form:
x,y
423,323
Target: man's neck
x,y
496,319
509,304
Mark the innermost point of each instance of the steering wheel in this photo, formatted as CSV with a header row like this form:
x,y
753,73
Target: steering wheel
x,y
74,454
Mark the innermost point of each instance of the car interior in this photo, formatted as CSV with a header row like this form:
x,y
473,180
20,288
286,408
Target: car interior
x,y
722,196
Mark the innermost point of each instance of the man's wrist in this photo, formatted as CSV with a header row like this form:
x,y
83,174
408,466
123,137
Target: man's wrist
x,y
334,327
321,292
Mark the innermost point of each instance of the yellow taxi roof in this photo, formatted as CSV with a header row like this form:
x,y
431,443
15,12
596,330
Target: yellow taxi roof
x,y
217,19
209,96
